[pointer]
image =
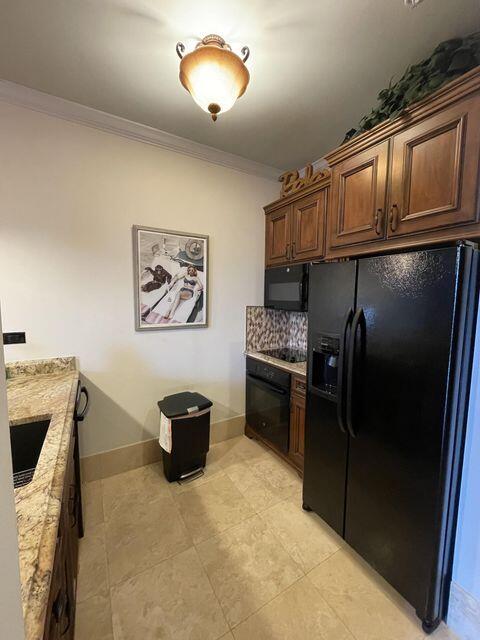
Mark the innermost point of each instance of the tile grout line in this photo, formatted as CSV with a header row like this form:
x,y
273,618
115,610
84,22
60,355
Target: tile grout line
x,y
279,541
103,524
204,570
214,593
257,515
267,603
334,611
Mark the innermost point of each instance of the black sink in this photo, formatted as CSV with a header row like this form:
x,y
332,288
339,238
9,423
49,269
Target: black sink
x,y
26,441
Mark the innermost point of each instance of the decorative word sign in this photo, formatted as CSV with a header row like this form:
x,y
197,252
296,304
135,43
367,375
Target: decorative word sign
x,y
291,180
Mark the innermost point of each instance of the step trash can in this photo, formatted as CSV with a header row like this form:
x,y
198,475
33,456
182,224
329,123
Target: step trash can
x,y
184,434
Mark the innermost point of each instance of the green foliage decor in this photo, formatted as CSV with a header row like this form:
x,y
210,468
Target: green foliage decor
x,y
449,60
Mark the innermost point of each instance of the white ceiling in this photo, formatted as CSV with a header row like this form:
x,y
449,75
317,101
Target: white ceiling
x,y
316,66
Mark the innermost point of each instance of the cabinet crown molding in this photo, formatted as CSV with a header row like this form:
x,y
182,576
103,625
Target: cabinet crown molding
x,y
319,183
34,100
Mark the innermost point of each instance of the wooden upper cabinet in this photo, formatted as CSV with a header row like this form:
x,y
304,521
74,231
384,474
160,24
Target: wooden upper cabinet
x,y
277,236
308,227
295,232
359,184
435,171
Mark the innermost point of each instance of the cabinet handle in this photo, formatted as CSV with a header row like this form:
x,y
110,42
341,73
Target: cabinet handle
x,y
58,607
288,251
73,503
394,217
293,250
68,614
378,221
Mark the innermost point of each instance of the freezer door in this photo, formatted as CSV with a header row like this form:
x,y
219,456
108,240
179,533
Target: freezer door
x,y
404,330
331,295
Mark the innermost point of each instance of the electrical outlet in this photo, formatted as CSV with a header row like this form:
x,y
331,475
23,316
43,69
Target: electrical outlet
x,y
14,337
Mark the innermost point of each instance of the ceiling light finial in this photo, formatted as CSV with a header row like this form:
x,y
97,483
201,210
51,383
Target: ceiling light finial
x,y
213,74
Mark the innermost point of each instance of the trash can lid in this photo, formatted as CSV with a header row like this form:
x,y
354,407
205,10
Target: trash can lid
x,y
180,404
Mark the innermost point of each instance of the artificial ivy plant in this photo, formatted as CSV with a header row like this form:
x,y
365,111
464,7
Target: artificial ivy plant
x,y
449,60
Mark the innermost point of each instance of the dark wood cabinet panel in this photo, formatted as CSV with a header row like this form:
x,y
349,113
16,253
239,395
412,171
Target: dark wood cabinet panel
x,y
299,386
308,227
52,623
277,236
359,184
297,429
435,171
60,620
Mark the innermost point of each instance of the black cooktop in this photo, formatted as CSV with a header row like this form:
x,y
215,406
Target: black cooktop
x,y
287,354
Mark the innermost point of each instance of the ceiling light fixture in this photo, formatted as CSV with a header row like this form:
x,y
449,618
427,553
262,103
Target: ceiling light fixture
x,y
213,74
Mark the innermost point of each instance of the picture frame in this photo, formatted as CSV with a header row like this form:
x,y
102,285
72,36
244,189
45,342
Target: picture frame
x,y
170,271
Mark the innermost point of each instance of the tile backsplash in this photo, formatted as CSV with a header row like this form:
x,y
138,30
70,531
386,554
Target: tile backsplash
x,y
269,328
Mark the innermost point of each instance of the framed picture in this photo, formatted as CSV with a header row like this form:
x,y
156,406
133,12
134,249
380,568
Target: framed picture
x,y
170,279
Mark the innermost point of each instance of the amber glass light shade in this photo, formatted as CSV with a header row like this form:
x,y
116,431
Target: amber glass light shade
x,y
214,75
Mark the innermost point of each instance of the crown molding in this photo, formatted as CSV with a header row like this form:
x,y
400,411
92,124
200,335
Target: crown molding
x,y
74,112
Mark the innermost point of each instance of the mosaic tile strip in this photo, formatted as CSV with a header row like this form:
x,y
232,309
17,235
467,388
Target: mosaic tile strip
x,y
269,328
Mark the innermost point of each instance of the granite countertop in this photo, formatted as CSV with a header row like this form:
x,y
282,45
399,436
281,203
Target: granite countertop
x,y
297,368
39,390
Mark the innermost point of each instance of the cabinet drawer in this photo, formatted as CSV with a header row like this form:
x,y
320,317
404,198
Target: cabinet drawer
x,y
299,386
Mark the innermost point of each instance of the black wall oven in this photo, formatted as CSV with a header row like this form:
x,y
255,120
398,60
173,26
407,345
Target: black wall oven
x,y
287,287
268,403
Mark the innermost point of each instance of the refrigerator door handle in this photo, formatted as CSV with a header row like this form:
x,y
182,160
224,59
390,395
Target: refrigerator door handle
x,y
358,321
342,354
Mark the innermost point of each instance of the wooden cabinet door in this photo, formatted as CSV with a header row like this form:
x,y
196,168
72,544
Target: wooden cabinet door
x,y
308,224
277,236
435,171
72,501
52,622
297,429
359,184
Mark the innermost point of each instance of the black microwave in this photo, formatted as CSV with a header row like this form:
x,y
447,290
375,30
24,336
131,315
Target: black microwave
x,y
287,287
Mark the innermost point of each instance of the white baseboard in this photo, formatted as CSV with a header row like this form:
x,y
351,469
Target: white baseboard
x,y
109,463
463,613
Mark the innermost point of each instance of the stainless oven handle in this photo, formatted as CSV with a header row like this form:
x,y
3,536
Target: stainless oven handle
x,y
265,385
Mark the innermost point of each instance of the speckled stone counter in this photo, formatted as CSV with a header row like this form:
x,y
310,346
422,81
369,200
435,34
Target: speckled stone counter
x,y
297,368
40,390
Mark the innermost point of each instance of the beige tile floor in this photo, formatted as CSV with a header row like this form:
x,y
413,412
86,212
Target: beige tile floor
x,y
229,556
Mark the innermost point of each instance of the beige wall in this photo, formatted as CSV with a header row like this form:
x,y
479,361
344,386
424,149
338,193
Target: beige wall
x,y
69,196
11,616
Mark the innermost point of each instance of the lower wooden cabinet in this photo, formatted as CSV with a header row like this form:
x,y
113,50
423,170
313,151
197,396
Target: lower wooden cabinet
x,y
297,421
60,620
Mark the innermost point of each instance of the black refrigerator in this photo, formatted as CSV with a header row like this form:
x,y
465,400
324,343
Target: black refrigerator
x,y
390,344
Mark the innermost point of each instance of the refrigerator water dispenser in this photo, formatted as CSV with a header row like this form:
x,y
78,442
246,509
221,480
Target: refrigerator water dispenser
x,y
325,363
